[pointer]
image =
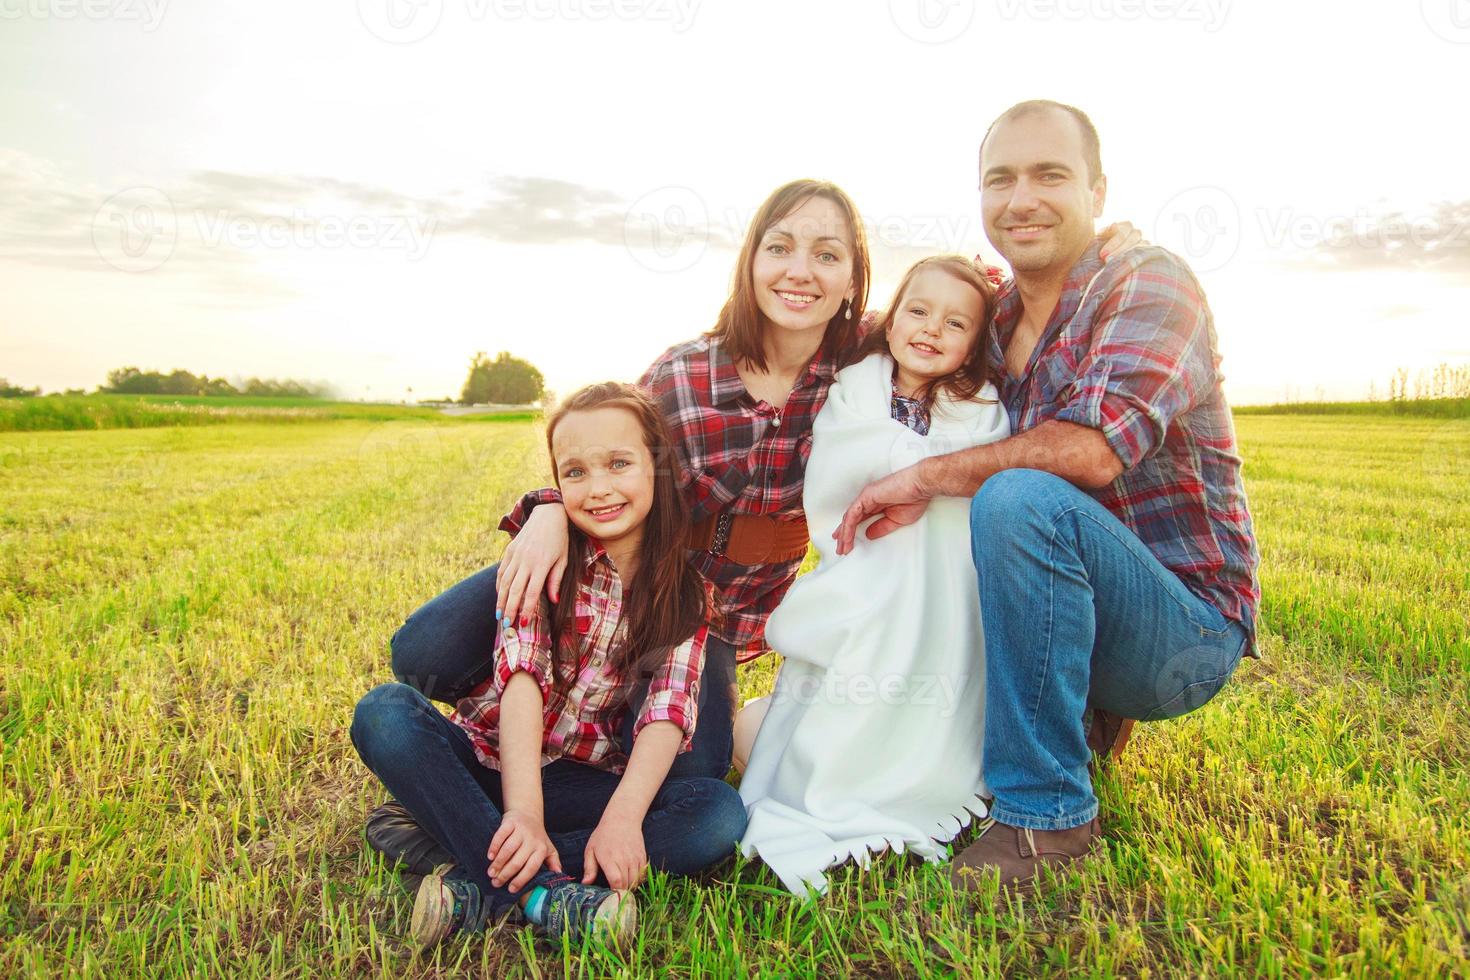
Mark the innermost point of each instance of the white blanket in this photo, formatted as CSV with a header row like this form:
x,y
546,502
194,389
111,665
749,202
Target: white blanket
x,y
874,732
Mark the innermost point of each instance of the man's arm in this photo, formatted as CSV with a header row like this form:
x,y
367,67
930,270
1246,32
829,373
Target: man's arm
x,y
1076,453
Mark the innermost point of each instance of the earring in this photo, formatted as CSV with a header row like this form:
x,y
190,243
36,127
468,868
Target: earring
x,y
849,310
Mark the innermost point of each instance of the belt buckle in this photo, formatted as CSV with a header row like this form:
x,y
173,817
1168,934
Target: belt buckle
x,y
722,534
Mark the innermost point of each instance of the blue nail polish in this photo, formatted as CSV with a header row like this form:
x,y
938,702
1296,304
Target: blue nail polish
x,y
499,615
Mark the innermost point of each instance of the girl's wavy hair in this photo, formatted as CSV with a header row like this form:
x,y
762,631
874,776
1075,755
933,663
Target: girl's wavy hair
x,y
740,323
973,373
666,602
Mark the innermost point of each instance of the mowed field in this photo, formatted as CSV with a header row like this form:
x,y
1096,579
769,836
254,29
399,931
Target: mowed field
x,y
188,614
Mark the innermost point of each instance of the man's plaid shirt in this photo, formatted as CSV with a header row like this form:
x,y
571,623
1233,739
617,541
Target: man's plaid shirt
x,y
1130,350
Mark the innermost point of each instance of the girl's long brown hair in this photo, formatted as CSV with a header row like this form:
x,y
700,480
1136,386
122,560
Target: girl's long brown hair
x,y
965,381
666,601
740,324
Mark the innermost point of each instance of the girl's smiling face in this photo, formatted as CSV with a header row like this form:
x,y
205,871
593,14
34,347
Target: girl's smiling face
x,y
935,329
605,473
802,269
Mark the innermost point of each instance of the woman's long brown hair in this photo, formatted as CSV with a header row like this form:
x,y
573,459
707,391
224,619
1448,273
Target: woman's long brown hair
x,y
965,381
666,601
740,325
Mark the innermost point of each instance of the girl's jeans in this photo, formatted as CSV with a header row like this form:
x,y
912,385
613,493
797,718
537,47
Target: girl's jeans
x,y
447,646
1077,612
428,764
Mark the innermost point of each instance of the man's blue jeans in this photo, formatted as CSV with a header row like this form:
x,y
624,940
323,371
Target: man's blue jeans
x,y
428,764
447,646
1076,612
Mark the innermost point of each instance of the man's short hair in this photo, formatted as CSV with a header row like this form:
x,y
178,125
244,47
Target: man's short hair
x,y
1091,148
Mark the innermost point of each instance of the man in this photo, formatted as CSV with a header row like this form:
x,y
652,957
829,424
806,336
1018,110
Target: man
x,y
1116,560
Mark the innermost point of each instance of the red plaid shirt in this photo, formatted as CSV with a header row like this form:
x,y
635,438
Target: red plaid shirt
x,y
1130,350
584,722
735,453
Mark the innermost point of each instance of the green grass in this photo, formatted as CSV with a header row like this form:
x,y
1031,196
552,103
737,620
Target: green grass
x,y
1436,408
72,412
188,614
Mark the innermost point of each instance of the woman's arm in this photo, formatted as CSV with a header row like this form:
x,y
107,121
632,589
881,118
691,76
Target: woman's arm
x,y
535,559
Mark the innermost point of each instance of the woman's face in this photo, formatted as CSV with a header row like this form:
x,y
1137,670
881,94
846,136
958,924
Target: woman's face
x,y
802,269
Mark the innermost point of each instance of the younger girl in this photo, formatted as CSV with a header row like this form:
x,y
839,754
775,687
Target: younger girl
x,y
526,785
872,738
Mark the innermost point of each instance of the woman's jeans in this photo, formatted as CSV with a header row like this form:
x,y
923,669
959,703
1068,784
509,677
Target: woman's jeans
x,y
447,646
1077,611
429,765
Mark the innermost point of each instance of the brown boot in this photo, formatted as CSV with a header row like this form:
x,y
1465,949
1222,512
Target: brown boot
x,y
1020,854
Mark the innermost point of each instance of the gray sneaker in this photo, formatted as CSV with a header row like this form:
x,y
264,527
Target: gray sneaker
x,y
575,910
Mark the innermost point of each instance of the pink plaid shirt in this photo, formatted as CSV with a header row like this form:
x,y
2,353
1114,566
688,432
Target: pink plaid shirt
x,y
584,721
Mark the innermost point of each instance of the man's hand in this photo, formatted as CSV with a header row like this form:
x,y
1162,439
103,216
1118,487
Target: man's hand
x,y
616,849
518,850
536,558
900,498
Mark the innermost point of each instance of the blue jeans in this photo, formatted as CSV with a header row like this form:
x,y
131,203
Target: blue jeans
x,y
447,646
428,764
1077,612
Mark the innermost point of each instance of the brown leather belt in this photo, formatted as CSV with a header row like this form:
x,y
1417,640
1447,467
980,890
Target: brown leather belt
x,y
747,539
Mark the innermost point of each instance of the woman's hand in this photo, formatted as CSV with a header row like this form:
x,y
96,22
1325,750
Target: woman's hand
x,y
1118,238
535,559
616,849
518,850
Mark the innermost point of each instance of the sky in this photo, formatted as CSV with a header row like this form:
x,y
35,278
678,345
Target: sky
x,y
367,192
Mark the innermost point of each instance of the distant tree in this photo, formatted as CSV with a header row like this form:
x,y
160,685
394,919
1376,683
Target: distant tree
x,y
132,381
8,390
506,380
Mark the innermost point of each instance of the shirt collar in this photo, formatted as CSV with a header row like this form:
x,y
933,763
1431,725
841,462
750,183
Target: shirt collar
x,y
1008,300
595,552
726,385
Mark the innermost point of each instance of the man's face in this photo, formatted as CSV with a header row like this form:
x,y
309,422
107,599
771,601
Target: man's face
x,y
1035,195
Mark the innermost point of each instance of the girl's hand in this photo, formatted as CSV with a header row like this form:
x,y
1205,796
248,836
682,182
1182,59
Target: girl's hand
x,y
1120,237
536,558
616,849
518,850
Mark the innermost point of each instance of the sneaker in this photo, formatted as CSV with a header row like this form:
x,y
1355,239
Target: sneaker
x,y
574,910
393,832
444,907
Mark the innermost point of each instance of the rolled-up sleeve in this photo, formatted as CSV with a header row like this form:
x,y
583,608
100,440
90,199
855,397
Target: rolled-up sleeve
x,y
1148,361
516,519
673,691
525,648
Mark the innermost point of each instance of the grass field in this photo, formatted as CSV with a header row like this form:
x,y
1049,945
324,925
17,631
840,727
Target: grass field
x,y
188,614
